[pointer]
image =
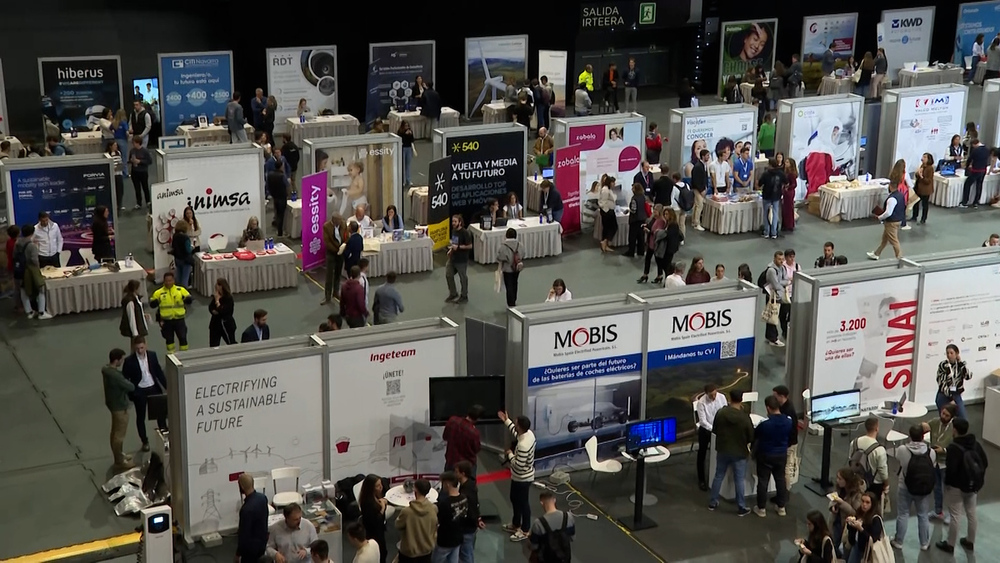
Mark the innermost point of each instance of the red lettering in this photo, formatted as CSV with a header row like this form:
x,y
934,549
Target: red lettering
x,y
906,321
901,345
890,381
897,343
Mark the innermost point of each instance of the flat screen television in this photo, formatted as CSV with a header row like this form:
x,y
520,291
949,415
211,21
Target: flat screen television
x,y
836,406
453,396
650,433
147,89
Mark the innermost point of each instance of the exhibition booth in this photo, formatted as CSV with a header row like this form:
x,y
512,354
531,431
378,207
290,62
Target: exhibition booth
x,y
300,413
989,113
918,120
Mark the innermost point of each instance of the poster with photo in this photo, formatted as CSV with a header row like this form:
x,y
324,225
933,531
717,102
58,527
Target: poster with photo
x,y
745,45
393,73
194,84
615,149
489,164
553,65
926,125
77,90
364,174
715,133
865,338
835,32
830,135
491,63
975,18
302,73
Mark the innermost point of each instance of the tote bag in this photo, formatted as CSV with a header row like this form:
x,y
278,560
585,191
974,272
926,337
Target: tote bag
x,y
880,551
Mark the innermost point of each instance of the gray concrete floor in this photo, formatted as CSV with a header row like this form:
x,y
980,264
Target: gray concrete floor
x,y
55,427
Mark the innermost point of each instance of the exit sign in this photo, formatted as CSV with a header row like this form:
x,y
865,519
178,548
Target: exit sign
x,y
647,13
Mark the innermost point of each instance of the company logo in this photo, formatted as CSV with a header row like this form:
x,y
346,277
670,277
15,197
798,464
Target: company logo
x,y
282,60
907,22
79,73
177,63
384,151
568,162
813,28
93,175
695,121
586,336
834,291
932,102
197,97
703,320
381,357
585,137
174,99
904,39
212,201
315,223
170,193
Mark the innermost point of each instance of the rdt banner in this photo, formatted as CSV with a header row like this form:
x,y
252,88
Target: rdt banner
x,y
393,70
567,180
313,218
76,90
486,165
906,36
439,202
302,73
194,84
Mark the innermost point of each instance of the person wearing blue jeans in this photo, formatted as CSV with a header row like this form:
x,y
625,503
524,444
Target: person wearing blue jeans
x,y
940,436
406,135
923,478
473,523
453,509
771,184
734,433
952,373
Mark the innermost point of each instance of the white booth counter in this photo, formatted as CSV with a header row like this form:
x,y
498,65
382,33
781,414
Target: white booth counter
x,y
538,239
320,126
991,416
86,142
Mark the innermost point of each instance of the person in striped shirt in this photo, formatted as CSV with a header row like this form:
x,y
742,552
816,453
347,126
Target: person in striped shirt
x,y
522,473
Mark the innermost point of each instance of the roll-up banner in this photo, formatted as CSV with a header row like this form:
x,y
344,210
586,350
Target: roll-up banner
x,y
314,216
302,73
439,202
169,201
192,85
836,32
379,405
716,132
608,148
691,346
393,69
77,90
4,125
865,337
926,123
553,65
584,379
829,133
239,420
745,45
366,173
906,36
975,18
490,64
567,181
485,165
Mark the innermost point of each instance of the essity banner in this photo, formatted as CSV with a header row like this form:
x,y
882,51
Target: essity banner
x,y
76,90
567,181
313,218
906,36
297,73
194,84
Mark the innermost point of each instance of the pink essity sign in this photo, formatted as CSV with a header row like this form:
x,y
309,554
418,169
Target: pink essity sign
x,y
313,217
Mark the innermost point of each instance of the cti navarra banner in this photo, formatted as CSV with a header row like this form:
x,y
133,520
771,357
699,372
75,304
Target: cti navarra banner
x,y
194,84
392,75
439,202
76,90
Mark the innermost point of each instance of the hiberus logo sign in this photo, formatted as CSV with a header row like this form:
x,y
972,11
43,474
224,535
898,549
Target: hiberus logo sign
x,y
585,336
702,320
79,73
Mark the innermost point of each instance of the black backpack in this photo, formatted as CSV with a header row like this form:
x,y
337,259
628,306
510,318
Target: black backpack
x,y
920,475
686,197
762,281
20,261
973,470
556,548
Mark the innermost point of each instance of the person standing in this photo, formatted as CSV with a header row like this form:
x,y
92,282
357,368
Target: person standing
x,y
431,105
743,169
891,217
771,446
182,250
288,540
133,322
916,484
701,182
28,270
258,331
710,403
458,260
829,61
277,188
270,109
387,303
143,370
777,284
367,549
772,185
786,407
257,105
606,204
967,464
140,124
734,433
952,374
116,392
631,81
251,535
976,165
941,436
610,86
222,326
522,474
235,120
374,511
405,133
637,217
462,439
552,533
354,247
334,237
49,240
352,300
170,299
417,525
551,201
100,234
510,263
453,510
319,552
870,456
139,160
924,188
473,522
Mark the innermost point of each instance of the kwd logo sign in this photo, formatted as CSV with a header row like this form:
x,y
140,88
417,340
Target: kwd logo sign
x,y
586,336
702,320
907,22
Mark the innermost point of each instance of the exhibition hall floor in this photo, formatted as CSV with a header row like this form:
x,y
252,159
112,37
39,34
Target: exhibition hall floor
x,y
55,438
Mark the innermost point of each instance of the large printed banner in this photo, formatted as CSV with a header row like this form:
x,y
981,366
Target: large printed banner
x,y
439,202
485,165
393,69
612,148
567,181
76,90
865,339
248,419
490,64
906,36
194,84
745,45
975,18
719,132
691,346
836,32
69,194
364,174
302,73
960,307
169,201
830,135
553,65
927,123
314,190
378,409
584,379
4,126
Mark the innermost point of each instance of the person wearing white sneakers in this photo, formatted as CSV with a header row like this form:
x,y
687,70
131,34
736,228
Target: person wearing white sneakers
x,y
28,270
893,214
776,286
917,477
522,474
771,439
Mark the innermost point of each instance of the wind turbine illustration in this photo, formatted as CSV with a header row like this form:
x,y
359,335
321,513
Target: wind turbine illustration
x,y
494,82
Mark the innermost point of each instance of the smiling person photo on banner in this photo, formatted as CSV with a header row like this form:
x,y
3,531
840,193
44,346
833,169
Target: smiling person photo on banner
x,y
746,45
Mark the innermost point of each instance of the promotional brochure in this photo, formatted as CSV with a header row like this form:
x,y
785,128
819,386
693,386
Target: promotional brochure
x,y
194,84
484,165
906,36
302,73
829,134
615,149
77,90
393,69
926,124
491,63
314,216
745,45
835,32
716,133
363,174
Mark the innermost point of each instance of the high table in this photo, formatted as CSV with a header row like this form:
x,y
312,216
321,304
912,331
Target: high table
x,y
840,201
948,189
85,142
272,271
209,135
621,237
495,112
321,126
418,205
538,240
93,290
834,85
727,218
401,256
420,125
980,74
15,146
928,76
399,498
533,193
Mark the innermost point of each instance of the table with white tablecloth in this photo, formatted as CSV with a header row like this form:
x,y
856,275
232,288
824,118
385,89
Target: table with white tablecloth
x,y
838,203
85,142
728,218
209,135
929,76
832,85
495,112
533,193
263,273
621,237
417,209
92,290
948,189
420,125
401,256
980,76
538,240
15,146
322,126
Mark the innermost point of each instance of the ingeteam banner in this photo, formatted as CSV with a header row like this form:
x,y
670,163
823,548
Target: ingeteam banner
x,y
76,90
906,36
392,75
194,84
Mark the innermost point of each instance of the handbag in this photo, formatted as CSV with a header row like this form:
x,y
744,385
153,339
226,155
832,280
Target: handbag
x,y
498,280
857,76
880,551
792,469
770,313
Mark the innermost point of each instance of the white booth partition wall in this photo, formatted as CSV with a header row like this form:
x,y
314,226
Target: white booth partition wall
x,y
248,408
695,336
714,128
363,170
825,128
575,370
919,120
69,189
379,398
989,113
487,161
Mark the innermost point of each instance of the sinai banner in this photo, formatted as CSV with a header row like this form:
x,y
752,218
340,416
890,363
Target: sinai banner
x,y
313,217
192,85
77,90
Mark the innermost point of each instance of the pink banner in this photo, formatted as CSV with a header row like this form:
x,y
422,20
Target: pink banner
x,y
313,218
567,180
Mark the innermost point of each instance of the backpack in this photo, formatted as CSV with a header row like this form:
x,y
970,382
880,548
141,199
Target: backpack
x,y
762,281
686,197
20,261
515,261
920,475
973,471
859,461
556,548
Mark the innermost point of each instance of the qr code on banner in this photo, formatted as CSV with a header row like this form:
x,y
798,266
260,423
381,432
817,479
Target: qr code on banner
x,y
728,350
392,387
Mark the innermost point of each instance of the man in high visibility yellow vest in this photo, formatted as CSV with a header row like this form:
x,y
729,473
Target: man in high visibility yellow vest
x,y
587,79
171,299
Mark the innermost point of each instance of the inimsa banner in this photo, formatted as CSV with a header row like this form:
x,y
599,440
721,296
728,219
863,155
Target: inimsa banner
x,y
194,84
392,76
439,202
77,90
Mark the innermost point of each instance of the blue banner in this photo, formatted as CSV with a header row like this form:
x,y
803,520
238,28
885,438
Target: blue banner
x,y
586,369
194,84
69,194
392,76
973,19
76,91
706,352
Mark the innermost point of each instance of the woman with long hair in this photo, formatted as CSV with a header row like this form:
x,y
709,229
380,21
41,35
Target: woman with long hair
x,y
303,108
743,272
335,233
993,60
373,511
222,325
194,229
817,547
788,193
845,502
512,209
133,321
105,124
252,232
666,243
183,252
864,528
558,292
636,219
697,272
409,151
391,221
120,127
924,187
606,202
100,234
269,110
114,152
863,85
653,225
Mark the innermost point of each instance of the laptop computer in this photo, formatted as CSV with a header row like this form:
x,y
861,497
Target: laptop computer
x,y
255,245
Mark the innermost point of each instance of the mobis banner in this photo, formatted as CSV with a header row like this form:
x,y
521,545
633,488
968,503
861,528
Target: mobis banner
x,y
486,165
77,90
